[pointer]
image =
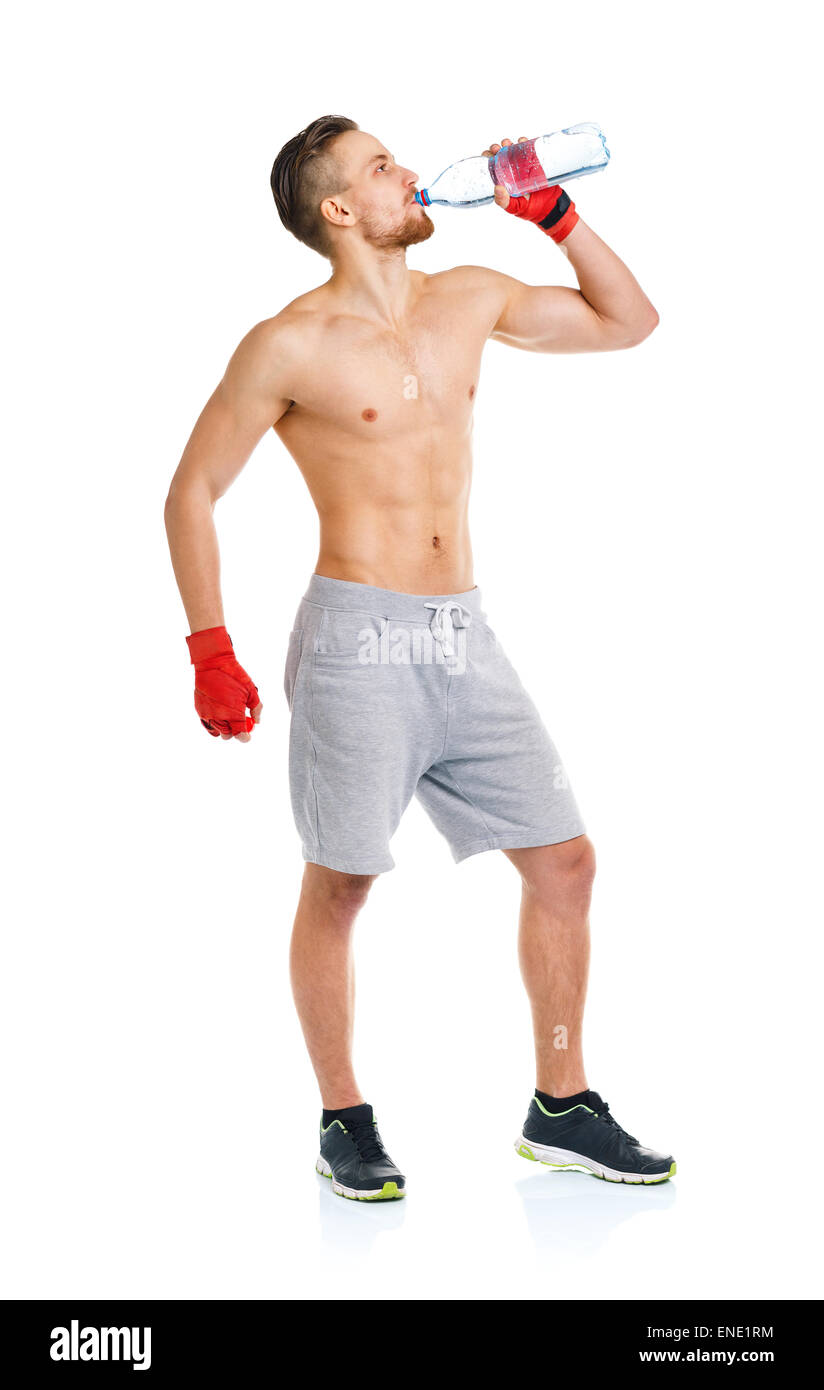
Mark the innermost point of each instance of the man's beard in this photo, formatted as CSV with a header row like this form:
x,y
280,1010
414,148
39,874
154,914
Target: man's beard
x,y
416,226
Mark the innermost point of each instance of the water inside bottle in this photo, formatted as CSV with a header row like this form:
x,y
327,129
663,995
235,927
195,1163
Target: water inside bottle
x,y
518,168
468,183
534,164
522,168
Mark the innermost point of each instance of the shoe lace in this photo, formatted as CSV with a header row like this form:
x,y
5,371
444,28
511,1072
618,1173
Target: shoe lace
x,y
605,1114
367,1140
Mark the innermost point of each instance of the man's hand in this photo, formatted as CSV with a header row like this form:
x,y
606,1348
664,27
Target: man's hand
x,y
608,310
501,195
223,690
550,209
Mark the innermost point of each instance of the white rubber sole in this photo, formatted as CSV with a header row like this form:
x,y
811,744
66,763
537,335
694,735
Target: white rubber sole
x,y
388,1193
565,1158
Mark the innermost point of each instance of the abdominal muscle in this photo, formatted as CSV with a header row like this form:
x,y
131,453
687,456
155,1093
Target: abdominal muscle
x,y
408,550
395,517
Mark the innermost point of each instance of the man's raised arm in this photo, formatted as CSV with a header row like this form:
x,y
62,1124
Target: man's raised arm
x,y
250,398
608,311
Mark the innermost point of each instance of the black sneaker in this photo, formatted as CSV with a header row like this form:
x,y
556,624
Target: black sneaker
x,y
354,1158
588,1137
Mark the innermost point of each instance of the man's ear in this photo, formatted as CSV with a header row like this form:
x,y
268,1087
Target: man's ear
x,y
338,211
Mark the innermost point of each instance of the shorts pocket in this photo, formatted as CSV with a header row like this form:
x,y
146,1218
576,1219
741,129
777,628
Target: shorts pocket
x,y
347,639
293,656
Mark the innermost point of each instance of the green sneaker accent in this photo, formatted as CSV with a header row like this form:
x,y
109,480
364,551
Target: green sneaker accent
x,y
388,1193
331,1126
556,1114
526,1152
661,1177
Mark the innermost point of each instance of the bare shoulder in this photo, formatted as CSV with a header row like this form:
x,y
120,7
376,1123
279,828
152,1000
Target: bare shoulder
x,y
485,289
274,350
474,277
285,334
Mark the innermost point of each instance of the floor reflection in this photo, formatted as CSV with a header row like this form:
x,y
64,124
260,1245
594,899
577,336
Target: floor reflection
x,y
575,1213
355,1226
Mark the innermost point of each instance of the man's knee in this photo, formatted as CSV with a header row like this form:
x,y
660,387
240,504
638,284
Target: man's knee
x,y
342,894
577,858
549,870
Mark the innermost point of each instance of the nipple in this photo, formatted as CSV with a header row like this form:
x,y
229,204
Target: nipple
x,y
369,414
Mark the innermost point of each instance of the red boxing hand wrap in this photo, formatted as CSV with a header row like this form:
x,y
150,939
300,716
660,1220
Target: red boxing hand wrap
x,y
551,209
223,691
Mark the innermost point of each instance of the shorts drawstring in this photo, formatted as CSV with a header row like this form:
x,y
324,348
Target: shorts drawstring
x,y
442,623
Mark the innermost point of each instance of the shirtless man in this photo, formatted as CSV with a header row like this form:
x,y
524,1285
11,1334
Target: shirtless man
x,y
396,684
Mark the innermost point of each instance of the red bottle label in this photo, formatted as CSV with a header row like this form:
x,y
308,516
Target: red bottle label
x,y
518,168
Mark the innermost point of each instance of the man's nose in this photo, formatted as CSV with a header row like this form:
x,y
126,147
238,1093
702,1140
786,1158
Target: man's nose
x,y
409,177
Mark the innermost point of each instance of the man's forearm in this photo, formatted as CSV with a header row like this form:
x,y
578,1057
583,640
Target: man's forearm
x,y
192,536
605,282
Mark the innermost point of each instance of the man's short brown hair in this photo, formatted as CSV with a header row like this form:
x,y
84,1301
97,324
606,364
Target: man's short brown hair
x,y
304,173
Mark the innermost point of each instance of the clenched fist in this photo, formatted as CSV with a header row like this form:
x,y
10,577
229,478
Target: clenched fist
x,y
223,690
551,208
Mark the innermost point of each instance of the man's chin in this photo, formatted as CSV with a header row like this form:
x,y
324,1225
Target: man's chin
x,y
419,227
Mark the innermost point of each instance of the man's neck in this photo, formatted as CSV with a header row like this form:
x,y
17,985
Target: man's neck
x,y
374,283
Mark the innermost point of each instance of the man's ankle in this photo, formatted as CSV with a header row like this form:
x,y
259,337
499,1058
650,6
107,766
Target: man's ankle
x,y
332,1112
555,1103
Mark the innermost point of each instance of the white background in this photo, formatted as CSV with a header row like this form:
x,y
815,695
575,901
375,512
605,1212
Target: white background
x,y
646,528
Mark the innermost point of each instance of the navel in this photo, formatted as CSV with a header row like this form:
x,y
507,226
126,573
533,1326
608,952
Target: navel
x,y
369,414
436,541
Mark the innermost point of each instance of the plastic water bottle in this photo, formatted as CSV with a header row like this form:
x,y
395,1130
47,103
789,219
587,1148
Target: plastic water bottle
x,y
524,168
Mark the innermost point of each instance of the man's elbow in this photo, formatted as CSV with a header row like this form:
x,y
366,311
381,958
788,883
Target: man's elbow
x,y
642,329
187,497
173,501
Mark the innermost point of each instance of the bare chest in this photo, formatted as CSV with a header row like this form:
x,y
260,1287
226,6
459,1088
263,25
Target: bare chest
x,y
377,384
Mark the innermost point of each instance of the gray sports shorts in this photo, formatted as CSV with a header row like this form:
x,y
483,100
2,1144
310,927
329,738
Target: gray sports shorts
x,y
394,695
